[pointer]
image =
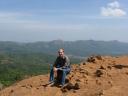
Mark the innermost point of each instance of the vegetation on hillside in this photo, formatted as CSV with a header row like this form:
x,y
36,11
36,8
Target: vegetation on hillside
x,y
17,66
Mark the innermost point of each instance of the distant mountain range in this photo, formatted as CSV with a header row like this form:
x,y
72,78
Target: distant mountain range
x,y
80,48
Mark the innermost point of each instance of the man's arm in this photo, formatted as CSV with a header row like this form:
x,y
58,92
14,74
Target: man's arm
x,y
55,63
67,62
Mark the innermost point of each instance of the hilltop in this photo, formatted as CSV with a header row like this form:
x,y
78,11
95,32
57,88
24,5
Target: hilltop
x,y
96,76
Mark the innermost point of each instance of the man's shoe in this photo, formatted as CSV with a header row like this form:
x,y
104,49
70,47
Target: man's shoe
x,y
51,82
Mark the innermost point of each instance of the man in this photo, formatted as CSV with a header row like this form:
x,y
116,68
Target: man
x,y
61,67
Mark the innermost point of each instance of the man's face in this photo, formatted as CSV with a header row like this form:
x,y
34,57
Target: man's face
x,y
61,53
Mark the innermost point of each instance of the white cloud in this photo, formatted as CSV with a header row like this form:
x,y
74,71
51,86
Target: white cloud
x,y
114,4
113,9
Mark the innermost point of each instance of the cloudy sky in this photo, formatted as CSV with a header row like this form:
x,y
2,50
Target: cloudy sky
x,y
69,20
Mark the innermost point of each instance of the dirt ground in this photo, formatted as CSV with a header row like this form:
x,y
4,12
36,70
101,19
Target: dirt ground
x,y
96,76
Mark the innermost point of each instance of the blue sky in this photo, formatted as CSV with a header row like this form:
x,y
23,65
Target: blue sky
x,y
69,20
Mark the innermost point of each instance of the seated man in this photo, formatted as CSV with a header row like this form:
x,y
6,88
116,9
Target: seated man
x,y
61,67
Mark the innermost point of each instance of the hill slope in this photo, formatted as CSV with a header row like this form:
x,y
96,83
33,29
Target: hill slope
x,y
98,76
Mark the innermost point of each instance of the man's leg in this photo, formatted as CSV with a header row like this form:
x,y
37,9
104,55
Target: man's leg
x,y
58,77
51,79
51,75
64,73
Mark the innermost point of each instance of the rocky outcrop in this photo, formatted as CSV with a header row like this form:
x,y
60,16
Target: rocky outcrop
x,y
96,76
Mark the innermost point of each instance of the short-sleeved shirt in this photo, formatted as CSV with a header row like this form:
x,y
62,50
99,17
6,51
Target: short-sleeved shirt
x,y
62,61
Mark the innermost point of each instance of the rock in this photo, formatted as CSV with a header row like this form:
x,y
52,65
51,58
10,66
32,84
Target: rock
x,y
91,59
110,82
101,67
77,80
76,86
126,73
64,90
120,66
11,91
109,67
98,57
98,82
98,73
84,72
84,63
69,86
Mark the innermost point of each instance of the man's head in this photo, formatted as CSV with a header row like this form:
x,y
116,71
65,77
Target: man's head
x,y
61,52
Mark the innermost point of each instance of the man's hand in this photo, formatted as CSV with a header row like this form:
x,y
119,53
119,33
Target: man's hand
x,y
55,69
